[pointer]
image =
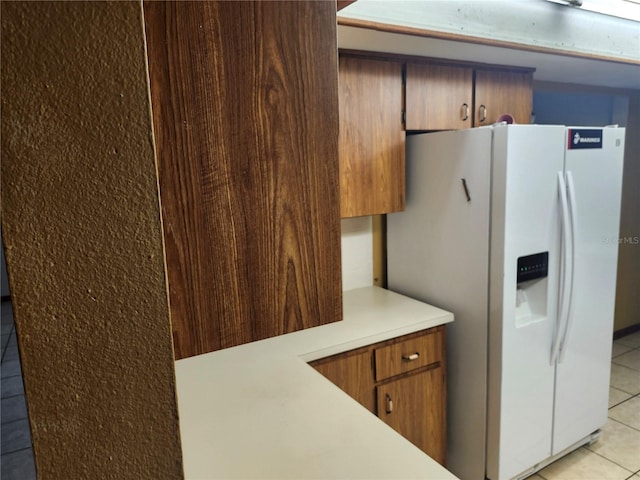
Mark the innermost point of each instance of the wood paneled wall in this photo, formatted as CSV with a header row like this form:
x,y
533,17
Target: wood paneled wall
x,y
245,109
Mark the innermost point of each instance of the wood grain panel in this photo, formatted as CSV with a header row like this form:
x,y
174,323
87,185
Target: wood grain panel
x,y
503,92
439,97
372,139
414,406
353,373
244,100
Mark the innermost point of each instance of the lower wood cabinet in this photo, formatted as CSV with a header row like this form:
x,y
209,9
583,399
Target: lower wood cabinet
x,y
413,406
402,381
352,372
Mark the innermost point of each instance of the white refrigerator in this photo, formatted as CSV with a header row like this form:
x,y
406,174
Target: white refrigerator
x,y
514,229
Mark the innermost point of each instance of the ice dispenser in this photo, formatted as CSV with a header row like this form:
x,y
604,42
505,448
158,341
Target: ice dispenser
x,y
531,291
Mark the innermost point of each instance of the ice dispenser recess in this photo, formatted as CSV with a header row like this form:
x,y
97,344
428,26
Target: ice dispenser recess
x,y
531,291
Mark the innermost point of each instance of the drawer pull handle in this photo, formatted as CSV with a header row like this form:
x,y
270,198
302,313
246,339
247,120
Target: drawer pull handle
x,y
389,408
409,358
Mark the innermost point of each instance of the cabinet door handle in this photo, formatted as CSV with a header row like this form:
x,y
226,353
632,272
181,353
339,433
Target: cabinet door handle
x,y
389,408
464,112
409,358
483,113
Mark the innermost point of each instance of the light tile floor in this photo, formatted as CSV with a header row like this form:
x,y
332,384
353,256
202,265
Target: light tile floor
x,y
615,456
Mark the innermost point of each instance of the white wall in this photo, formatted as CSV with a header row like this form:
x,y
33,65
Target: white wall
x,y
357,253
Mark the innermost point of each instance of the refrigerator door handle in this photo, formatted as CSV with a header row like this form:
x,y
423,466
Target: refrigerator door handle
x,y
564,268
574,218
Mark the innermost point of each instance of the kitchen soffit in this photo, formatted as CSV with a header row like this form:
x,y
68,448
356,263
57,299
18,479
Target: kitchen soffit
x,y
549,67
592,49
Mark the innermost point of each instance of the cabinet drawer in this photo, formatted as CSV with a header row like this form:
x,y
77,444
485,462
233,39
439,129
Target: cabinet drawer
x,y
408,355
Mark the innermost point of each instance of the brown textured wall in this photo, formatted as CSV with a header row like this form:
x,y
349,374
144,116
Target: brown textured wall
x,y
83,239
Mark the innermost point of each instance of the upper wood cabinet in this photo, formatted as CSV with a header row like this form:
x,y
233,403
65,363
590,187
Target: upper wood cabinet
x,y
439,97
499,92
372,139
435,96
245,112
447,97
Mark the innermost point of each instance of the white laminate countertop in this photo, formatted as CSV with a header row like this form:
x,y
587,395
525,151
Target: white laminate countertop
x,y
259,411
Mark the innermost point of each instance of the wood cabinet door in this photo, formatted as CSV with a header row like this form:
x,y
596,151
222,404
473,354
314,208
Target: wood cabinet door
x,y
353,373
438,97
499,92
372,139
414,406
245,113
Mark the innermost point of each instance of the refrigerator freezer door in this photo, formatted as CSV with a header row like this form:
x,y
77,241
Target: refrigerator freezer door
x,y
437,252
582,381
525,221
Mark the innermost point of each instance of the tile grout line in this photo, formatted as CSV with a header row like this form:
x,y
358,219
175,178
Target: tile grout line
x,y
633,395
631,349
609,460
5,455
16,420
4,349
632,428
15,451
13,396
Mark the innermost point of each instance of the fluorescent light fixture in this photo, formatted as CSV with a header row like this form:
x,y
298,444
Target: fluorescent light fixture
x,y
573,3
627,9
